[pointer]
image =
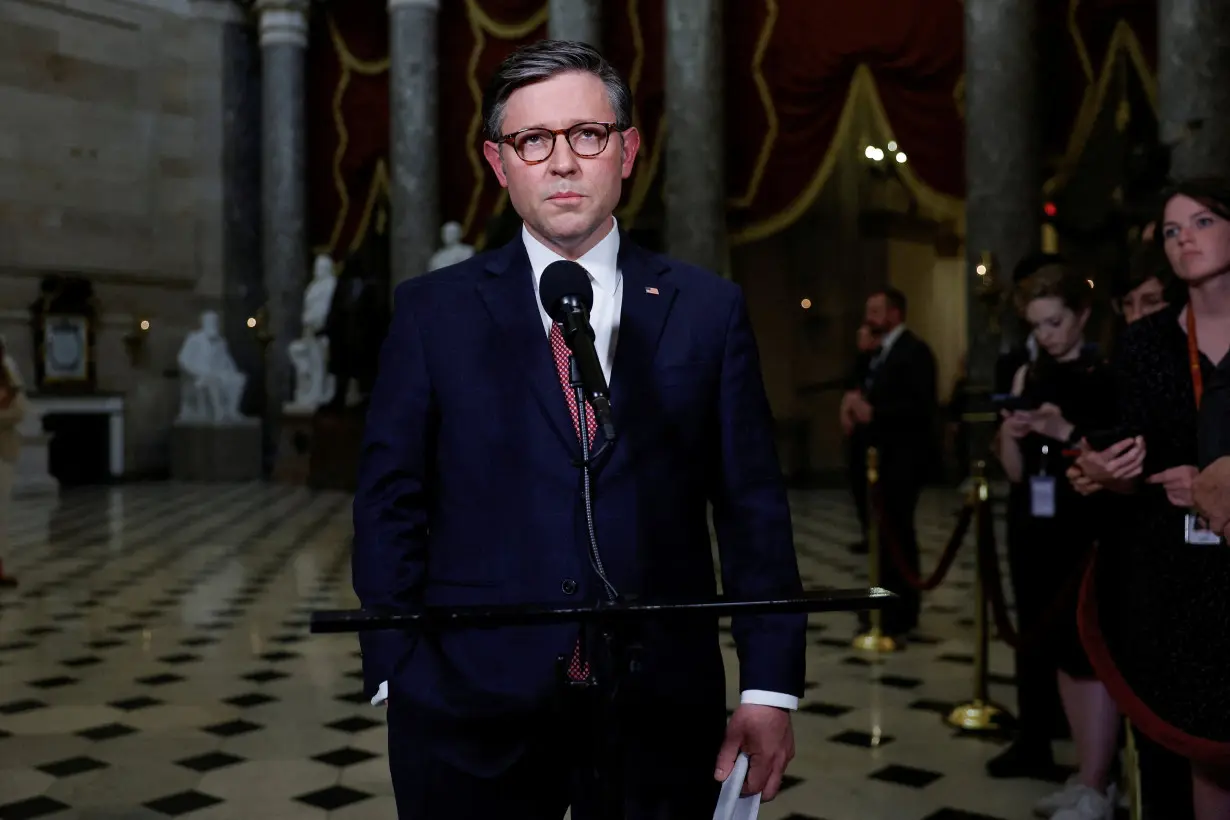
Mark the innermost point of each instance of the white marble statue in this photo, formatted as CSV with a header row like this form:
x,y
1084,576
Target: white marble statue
x,y
454,249
314,384
212,386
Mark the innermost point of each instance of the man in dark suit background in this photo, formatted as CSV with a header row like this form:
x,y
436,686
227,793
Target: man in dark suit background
x,y
895,411
469,490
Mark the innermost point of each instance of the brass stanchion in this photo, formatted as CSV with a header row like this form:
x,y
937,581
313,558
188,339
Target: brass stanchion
x,y
980,714
874,639
1132,764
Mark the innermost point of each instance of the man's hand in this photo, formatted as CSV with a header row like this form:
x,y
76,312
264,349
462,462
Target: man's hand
x,y
765,735
1082,483
1211,494
861,408
1122,461
1177,482
847,411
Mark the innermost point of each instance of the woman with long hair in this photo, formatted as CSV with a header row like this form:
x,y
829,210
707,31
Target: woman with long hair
x,y
12,411
1155,606
1066,390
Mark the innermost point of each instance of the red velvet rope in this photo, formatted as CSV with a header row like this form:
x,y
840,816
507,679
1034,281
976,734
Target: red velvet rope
x,y
1209,752
888,536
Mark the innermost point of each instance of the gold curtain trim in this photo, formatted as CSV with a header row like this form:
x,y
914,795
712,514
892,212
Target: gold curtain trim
x,y
644,178
1123,41
482,25
766,101
862,89
349,63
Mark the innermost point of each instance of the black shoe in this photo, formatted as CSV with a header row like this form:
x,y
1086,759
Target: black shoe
x,y
859,548
1021,760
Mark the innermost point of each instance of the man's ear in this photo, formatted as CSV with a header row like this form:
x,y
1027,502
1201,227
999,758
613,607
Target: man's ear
x,y
495,159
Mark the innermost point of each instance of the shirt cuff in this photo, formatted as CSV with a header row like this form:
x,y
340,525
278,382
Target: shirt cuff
x,y
382,694
759,697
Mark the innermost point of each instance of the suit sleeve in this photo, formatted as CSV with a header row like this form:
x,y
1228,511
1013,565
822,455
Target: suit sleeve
x,y
390,503
751,517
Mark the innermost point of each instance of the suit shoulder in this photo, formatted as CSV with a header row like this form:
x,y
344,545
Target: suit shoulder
x,y
459,274
695,278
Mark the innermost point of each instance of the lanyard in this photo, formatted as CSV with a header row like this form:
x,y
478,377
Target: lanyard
x,y
1193,356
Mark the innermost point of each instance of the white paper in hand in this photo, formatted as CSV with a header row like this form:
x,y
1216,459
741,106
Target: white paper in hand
x,y
731,804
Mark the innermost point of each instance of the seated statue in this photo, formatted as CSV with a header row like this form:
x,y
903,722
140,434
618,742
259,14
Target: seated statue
x,y
454,249
314,384
212,386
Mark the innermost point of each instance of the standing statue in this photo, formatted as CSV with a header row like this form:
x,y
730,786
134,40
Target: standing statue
x,y
454,249
314,384
212,386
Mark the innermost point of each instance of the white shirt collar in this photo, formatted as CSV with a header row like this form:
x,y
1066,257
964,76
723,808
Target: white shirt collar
x,y
890,338
602,260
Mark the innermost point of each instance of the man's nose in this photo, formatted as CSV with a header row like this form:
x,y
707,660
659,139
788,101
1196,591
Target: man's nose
x,y
563,161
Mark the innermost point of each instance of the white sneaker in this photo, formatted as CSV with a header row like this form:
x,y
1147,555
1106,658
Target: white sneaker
x,y
1065,798
1091,806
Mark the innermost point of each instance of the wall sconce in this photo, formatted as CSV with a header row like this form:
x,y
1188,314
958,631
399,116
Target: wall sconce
x,y
989,289
886,158
134,340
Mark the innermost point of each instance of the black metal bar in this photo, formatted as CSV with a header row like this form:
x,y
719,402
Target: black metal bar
x,y
436,618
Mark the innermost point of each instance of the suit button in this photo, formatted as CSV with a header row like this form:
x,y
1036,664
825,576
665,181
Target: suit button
x,y
569,586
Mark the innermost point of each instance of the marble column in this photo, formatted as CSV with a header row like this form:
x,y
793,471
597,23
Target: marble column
x,y
1003,178
283,40
695,170
415,154
576,20
1193,78
227,109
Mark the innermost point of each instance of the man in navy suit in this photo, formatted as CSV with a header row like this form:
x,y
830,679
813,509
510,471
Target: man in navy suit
x,y
469,491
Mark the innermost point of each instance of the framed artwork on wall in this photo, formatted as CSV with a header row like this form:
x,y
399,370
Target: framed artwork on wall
x,y
64,325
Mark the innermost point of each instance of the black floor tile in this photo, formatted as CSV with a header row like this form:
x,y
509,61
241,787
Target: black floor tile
x,y
82,662
209,762
109,731
789,781
39,631
198,640
232,728
126,629
249,700
353,725
174,805
358,698
279,655
346,756
866,741
105,643
179,658
955,657
957,814
333,798
53,683
940,707
160,680
70,767
16,707
898,682
32,808
287,640
906,776
265,676
825,709
14,646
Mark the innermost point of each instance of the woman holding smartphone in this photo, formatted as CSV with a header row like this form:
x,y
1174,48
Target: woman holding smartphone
x,y
1155,605
1067,390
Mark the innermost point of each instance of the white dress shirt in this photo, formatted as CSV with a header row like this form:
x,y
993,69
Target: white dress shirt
x,y
602,263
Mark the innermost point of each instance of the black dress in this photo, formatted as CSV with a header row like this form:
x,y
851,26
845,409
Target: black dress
x,y
1050,553
1155,612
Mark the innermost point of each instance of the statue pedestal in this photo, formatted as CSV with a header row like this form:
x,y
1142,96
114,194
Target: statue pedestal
x,y
337,438
32,476
292,464
216,452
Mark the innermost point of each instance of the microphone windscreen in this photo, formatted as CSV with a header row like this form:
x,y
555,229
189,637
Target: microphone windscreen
x,y
564,278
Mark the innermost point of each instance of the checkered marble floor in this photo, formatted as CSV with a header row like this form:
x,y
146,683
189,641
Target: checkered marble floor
x,y
155,662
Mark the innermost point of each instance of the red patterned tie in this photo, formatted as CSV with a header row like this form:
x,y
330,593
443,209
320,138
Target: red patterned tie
x,y
578,669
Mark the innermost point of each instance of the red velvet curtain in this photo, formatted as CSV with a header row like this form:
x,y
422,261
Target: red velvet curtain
x,y
791,66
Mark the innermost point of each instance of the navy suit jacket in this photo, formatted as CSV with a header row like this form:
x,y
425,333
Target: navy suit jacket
x,y
468,492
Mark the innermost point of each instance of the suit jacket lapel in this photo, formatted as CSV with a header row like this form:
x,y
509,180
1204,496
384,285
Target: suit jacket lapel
x,y
508,291
647,300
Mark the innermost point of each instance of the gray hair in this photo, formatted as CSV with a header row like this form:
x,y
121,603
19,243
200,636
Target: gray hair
x,y
543,60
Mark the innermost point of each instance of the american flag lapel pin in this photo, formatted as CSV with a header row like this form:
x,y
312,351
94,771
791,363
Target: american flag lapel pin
x,y
652,291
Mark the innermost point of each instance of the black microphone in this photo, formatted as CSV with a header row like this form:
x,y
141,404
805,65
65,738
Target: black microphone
x,y
567,296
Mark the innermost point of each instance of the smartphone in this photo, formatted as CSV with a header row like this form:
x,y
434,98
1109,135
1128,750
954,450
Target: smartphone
x,y
1100,440
1011,403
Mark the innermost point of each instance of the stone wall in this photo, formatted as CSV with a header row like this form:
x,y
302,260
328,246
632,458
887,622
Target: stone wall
x,y
113,153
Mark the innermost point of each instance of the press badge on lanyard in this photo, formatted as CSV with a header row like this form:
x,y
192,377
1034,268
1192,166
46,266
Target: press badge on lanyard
x,y
1042,490
1196,530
